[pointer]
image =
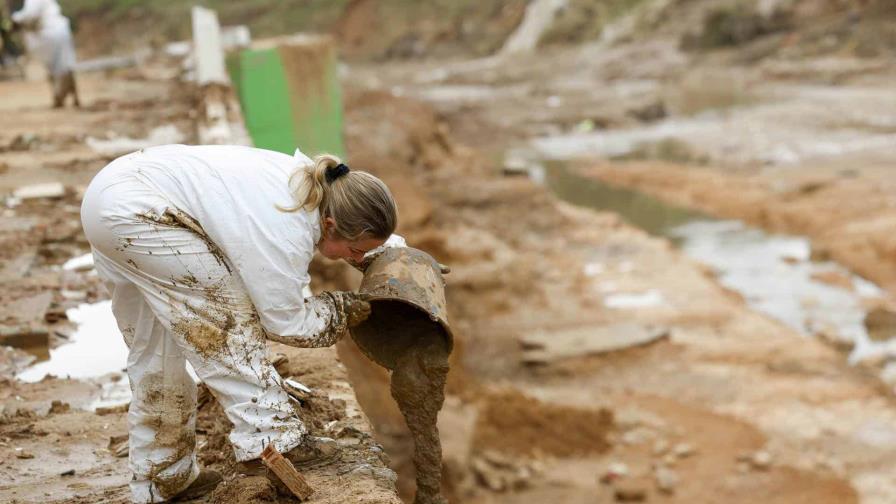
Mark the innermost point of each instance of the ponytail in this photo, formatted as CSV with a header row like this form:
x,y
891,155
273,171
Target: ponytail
x,y
360,203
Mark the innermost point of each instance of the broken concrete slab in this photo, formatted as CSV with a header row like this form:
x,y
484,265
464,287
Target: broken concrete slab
x,y
26,337
544,346
27,310
45,190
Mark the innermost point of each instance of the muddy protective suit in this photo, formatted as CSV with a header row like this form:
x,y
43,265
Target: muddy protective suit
x,y
48,36
202,268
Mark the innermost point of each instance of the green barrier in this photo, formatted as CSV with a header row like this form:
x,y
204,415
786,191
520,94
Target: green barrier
x,y
290,95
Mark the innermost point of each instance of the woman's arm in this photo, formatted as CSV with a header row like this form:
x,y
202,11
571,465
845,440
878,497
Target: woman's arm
x,y
341,310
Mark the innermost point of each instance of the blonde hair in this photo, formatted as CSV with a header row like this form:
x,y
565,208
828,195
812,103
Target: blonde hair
x,y
360,203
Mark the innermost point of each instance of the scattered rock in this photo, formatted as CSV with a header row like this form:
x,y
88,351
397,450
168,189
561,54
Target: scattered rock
x,y
70,472
614,472
22,454
761,460
630,490
248,489
47,190
118,445
57,407
683,450
666,479
881,324
112,410
281,363
500,473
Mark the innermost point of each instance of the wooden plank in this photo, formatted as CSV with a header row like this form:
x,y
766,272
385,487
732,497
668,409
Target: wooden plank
x,y
286,472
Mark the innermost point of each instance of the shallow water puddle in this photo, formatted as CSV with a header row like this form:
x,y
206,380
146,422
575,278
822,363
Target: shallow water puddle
x,y
95,352
95,349
774,273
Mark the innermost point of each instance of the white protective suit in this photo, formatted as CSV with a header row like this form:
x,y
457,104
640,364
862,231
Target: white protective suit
x,y
202,267
48,35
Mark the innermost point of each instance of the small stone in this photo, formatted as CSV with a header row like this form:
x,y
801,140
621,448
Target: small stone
x,y
57,407
70,472
22,454
683,450
630,491
660,446
666,480
47,190
761,460
614,471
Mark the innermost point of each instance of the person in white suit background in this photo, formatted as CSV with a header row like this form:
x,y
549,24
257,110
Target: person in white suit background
x,y
48,37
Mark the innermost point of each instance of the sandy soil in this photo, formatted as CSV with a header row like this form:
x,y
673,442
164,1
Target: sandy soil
x,y
730,406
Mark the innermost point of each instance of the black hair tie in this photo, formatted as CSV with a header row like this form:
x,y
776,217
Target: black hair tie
x,y
335,172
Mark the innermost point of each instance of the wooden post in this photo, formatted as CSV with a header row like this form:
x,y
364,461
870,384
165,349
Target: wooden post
x,y
286,472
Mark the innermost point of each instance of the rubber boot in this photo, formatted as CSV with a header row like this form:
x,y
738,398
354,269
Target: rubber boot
x,y
204,484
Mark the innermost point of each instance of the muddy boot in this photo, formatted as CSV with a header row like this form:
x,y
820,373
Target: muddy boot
x,y
73,89
56,85
205,483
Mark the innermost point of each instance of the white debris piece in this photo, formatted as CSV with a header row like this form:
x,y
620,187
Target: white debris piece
x,y
47,190
623,301
80,263
163,135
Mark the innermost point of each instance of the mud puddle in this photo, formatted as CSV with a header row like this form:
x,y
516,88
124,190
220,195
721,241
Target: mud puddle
x,y
775,274
96,352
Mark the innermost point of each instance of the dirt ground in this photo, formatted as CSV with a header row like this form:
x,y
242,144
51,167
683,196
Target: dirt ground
x,y
728,406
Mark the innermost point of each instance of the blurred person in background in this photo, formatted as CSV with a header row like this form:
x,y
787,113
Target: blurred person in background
x,y
9,49
48,36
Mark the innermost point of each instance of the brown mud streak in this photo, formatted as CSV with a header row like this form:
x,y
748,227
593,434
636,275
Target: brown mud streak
x,y
176,218
418,386
169,418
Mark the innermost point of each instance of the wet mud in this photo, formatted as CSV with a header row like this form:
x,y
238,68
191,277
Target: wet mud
x,y
417,349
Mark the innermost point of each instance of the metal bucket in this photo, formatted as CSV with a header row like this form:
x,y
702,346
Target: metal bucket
x,y
406,292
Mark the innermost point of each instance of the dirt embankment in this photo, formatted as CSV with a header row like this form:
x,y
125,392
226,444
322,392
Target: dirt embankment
x,y
672,420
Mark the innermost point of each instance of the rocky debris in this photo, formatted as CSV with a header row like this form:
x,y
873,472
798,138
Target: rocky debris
x,y
112,410
683,450
57,407
281,363
500,473
23,454
118,445
46,190
757,461
881,324
631,490
666,479
13,360
761,460
614,472
547,346
24,336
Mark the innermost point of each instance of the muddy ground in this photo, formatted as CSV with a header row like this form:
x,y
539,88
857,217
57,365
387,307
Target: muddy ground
x,y
728,405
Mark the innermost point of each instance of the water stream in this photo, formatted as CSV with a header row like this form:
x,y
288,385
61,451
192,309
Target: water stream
x,y
774,273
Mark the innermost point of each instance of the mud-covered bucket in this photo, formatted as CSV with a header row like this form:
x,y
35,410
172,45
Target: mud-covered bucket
x,y
406,292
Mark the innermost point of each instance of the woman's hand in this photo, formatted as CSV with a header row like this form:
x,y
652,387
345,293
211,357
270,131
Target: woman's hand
x,y
351,307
